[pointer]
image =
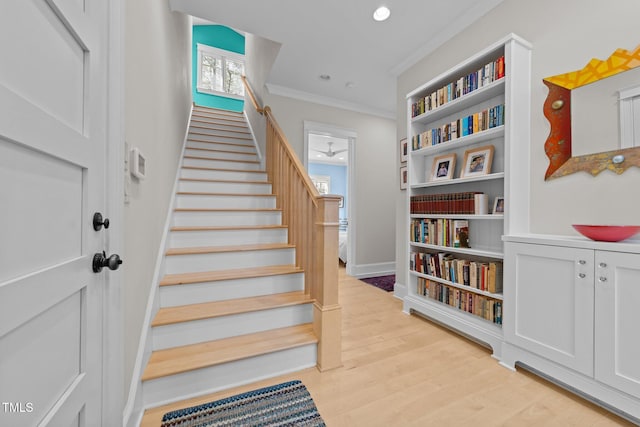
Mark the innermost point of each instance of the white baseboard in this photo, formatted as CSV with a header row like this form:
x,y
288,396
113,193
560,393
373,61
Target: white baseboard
x,y
400,290
133,410
364,271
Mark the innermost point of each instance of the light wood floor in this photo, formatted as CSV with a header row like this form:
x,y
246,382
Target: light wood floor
x,y
402,370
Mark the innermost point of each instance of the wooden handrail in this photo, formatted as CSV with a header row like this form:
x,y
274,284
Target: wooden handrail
x,y
252,96
312,222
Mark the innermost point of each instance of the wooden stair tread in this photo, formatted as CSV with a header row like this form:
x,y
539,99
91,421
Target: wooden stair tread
x,y
232,248
209,310
227,210
217,129
227,227
204,193
221,136
225,119
222,160
226,181
220,142
195,356
238,273
221,169
212,150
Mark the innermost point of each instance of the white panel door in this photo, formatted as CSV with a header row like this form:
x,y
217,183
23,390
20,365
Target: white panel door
x,y
617,350
53,87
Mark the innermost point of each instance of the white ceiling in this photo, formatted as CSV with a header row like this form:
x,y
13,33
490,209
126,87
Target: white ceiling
x,y
341,39
319,143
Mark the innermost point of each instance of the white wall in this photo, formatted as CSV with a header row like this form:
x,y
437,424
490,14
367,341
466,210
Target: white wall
x,y
157,106
260,55
376,177
565,36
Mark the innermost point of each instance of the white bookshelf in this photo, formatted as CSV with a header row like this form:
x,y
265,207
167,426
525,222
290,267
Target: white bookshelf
x,y
508,178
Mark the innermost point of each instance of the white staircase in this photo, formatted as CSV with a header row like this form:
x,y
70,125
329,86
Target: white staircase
x,y
232,303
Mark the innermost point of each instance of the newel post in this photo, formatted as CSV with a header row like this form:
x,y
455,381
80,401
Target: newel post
x,y
327,313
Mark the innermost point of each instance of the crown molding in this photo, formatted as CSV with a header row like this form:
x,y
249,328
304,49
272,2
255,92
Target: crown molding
x,y
328,101
461,23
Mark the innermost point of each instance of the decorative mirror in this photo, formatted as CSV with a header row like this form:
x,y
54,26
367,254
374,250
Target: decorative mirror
x,y
558,110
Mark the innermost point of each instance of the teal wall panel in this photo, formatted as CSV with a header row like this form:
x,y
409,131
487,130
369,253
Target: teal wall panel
x,y
220,37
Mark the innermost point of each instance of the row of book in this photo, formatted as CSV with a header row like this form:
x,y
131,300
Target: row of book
x,y
491,72
442,232
481,275
464,126
469,202
482,306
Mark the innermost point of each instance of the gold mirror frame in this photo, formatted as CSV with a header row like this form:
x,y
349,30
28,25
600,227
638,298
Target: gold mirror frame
x,y
557,109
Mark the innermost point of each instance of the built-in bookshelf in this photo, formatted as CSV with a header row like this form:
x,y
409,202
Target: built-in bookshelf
x,y
464,167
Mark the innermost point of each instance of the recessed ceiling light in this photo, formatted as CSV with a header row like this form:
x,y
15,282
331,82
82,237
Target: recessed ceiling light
x,y
381,13
325,77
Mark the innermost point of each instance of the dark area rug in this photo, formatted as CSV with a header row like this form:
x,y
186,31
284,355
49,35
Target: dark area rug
x,y
383,282
286,404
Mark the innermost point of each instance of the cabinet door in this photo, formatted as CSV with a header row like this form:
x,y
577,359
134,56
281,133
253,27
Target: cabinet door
x,y
617,320
549,303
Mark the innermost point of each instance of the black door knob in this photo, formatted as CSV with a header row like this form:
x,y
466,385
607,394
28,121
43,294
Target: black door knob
x,y
98,222
100,261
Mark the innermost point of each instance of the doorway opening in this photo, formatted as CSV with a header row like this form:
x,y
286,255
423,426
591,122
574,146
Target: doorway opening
x,y
329,153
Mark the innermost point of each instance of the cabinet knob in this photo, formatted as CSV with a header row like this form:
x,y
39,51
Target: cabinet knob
x,y
602,279
602,264
582,262
582,275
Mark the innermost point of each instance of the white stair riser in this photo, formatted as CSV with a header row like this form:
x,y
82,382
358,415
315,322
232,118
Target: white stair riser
x,y
229,326
220,164
204,201
191,263
187,239
222,174
239,140
198,122
224,154
219,131
195,143
222,290
230,218
220,377
224,187
223,115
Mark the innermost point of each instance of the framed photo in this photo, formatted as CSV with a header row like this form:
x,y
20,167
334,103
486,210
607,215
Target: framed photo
x,y
443,167
404,178
404,150
477,161
498,206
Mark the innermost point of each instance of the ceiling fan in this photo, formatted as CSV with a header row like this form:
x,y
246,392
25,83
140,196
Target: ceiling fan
x,y
330,152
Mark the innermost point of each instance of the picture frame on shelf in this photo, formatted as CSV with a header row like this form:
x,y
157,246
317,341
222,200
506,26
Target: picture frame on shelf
x,y
443,167
404,177
498,206
404,150
477,161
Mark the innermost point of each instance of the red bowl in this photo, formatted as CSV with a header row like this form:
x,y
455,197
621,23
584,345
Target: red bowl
x,y
607,233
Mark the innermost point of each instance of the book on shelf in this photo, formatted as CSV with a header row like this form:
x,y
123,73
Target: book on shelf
x,y
461,233
447,203
484,276
485,75
464,126
482,306
439,232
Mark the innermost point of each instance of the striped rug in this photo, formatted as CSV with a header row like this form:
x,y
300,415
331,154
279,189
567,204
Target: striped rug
x,y
286,404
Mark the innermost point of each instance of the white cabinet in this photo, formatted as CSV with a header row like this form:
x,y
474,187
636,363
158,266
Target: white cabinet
x,y
617,320
483,103
549,303
572,314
